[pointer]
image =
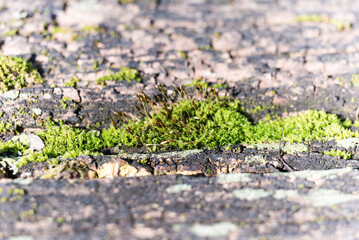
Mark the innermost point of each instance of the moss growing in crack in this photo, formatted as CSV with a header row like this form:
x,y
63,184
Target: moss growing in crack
x,y
339,153
202,83
180,121
65,141
126,74
16,72
72,82
5,127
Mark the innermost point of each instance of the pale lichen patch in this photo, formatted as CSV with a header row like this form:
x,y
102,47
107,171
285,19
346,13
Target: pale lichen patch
x,y
285,193
348,143
221,229
179,188
250,194
233,178
329,197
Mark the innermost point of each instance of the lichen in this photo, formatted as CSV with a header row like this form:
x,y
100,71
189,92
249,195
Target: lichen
x,y
16,73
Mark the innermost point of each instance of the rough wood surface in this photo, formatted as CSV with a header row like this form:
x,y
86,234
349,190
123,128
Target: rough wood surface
x,y
279,57
297,205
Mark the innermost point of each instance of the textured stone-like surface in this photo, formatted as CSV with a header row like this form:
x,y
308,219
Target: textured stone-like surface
x,y
298,205
256,48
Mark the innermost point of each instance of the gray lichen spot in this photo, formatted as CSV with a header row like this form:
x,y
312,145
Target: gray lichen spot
x,y
37,111
329,197
295,147
214,230
348,143
24,95
22,237
282,193
178,227
250,194
261,146
179,188
256,159
287,147
181,154
7,161
332,173
24,181
234,177
11,94
22,138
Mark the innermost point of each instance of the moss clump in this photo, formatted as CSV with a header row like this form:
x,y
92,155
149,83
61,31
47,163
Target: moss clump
x,y
179,121
201,83
72,82
5,127
12,32
17,73
126,74
61,140
339,153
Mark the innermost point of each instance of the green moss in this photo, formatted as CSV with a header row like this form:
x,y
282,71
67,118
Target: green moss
x,y
72,82
91,29
58,29
340,25
17,73
184,123
126,74
5,127
206,48
355,80
202,83
339,153
95,65
183,54
126,1
12,32
309,18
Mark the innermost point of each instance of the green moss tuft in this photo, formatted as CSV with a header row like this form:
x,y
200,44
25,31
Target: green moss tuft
x,y
126,1
126,74
202,83
17,73
72,82
339,153
12,32
340,25
179,121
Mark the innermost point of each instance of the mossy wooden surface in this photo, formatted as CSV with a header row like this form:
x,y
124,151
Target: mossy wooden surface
x,y
181,122
16,72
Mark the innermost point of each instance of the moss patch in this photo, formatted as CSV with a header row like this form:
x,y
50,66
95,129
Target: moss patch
x,y
126,74
339,153
340,25
203,84
181,122
17,73
72,82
